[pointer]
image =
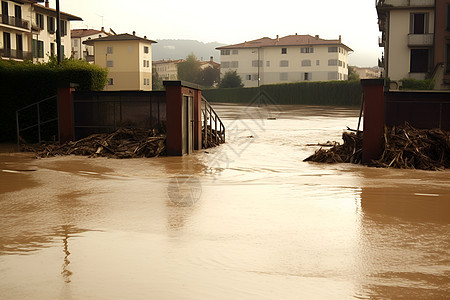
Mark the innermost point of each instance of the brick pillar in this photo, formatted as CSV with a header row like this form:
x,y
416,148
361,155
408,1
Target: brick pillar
x,y
173,115
65,114
373,119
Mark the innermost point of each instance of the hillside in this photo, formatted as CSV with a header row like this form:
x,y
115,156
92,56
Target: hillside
x,y
176,49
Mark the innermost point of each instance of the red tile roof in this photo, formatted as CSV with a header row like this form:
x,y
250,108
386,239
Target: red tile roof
x,y
118,37
167,61
78,33
290,40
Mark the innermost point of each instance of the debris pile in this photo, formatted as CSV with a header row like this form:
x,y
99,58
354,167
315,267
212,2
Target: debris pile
x,y
123,143
404,147
349,152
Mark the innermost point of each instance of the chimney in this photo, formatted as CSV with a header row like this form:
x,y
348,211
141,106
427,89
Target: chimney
x,y
278,38
103,29
340,39
47,4
211,59
145,37
134,32
317,36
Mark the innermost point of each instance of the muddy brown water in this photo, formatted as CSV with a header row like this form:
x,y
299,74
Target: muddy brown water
x,y
246,220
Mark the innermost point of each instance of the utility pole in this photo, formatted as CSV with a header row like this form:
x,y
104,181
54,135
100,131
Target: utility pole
x,y
259,79
58,33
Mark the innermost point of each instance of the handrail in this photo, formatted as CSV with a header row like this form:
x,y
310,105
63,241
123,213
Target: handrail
x,y
38,117
214,132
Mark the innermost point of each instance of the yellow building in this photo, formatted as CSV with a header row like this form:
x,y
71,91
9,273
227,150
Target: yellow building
x,y
128,59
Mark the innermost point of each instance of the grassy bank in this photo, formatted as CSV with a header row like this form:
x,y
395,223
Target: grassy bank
x,y
343,93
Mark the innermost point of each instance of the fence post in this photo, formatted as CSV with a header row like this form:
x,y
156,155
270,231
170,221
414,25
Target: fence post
x,y
65,114
373,129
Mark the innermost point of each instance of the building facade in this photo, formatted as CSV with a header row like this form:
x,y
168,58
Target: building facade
x,y
28,31
83,51
128,59
167,69
287,59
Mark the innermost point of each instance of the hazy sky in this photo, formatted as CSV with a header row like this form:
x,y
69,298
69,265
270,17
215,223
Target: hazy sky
x,y
236,21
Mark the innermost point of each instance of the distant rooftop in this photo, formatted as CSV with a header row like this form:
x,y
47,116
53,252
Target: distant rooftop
x,y
164,61
290,40
78,33
53,12
119,37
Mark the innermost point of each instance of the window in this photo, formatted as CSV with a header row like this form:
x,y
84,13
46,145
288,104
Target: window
x,y
284,76
75,43
284,63
110,81
109,50
419,61
254,77
307,76
50,24
63,28
145,63
40,21
332,62
255,63
268,63
306,63
145,49
37,48
109,63
306,50
224,52
145,81
317,62
418,23
340,63
225,64
283,50
448,59
249,77
235,51
52,49
235,64
448,17
332,75
332,49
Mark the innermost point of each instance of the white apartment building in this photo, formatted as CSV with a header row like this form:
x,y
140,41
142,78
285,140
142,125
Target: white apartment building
x,y
128,59
28,31
83,51
167,69
287,59
407,28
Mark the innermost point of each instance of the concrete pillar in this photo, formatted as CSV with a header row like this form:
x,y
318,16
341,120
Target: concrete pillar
x,y
65,114
373,119
198,120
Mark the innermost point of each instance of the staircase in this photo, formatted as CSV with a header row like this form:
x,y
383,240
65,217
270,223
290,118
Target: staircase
x,y
213,130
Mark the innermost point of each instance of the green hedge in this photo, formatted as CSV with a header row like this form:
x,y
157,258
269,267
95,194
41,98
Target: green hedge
x,y
24,83
414,84
343,93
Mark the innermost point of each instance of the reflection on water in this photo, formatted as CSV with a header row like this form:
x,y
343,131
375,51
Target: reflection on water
x,y
246,220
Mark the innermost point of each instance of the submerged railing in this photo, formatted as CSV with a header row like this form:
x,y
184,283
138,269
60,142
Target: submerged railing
x,y
213,130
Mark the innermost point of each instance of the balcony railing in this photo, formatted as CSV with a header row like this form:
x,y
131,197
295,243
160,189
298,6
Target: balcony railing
x,y
16,54
406,3
421,40
13,21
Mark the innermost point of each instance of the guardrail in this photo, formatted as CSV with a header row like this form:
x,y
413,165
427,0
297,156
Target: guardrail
x,y
213,129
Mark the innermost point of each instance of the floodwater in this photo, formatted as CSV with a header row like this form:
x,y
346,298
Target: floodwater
x,y
246,220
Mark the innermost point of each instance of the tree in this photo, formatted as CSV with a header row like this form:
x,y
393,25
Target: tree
x,y
231,79
352,75
157,84
209,76
189,70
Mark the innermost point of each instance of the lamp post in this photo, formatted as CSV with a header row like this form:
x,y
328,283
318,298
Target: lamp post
x,y
58,33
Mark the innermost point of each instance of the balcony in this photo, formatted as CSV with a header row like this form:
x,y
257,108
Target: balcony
x,y
420,40
13,21
406,3
15,54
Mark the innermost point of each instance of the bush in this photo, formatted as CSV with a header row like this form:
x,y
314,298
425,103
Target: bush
x,y
345,93
24,83
414,84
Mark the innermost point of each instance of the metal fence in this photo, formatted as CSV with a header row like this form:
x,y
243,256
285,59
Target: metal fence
x,y
38,122
102,112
